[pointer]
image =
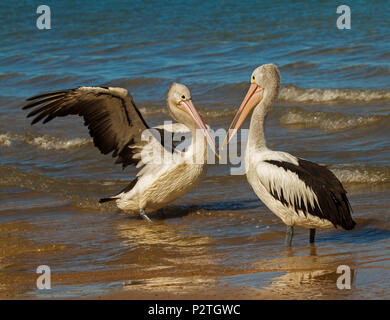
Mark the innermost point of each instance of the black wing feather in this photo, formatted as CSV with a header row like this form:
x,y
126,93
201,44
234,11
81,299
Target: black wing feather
x,y
113,120
333,202
46,94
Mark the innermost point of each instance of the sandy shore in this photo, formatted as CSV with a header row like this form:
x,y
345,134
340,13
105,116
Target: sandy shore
x,y
218,293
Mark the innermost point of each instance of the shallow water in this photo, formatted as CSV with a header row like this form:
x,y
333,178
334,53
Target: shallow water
x,y
333,108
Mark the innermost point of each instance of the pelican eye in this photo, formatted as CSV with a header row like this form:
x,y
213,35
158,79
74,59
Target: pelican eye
x,y
183,96
253,78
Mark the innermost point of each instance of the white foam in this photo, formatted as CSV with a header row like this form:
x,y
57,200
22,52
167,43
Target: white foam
x,y
327,120
5,140
43,142
51,143
363,175
293,93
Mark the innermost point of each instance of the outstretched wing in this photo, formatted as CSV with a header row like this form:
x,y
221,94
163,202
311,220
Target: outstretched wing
x,y
113,120
308,187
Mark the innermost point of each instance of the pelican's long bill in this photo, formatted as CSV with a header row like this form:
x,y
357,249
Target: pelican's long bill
x,y
189,107
252,99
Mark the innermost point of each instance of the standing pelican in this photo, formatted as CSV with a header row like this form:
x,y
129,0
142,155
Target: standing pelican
x,y
299,192
117,127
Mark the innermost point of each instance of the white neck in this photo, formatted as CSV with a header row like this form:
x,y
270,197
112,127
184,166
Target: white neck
x,y
256,139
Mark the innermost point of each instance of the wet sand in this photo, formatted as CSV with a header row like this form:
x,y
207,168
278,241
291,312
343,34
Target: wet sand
x,y
187,253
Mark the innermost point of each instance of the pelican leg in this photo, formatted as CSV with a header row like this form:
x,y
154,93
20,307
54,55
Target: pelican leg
x,y
142,213
312,235
289,235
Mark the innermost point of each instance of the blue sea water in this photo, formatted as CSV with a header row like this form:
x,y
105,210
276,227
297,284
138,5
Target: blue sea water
x,y
199,42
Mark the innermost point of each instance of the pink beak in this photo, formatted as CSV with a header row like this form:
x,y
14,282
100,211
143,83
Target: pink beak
x,y
252,99
189,107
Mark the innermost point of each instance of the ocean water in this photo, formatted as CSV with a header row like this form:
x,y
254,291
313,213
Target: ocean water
x,y
333,108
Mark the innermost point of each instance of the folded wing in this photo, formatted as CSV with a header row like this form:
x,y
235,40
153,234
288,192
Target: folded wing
x,y
308,187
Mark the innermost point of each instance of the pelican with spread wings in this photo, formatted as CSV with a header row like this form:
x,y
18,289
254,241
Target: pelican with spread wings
x,y
118,128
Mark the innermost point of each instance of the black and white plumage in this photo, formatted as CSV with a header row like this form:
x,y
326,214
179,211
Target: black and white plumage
x,y
117,127
299,192
330,199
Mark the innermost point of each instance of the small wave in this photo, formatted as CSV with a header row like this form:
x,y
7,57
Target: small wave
x,y
362,175
216,113
291,93
330,121
206,113
150,110
5,140
53,143
80,192
52,78
298,65
136,82
44,142
7,76
356,71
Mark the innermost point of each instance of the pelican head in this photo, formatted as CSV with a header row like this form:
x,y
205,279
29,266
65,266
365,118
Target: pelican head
x,y
264,88
183,110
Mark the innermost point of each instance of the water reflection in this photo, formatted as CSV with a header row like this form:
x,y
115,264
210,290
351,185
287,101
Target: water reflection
x,y
166,256
308,276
